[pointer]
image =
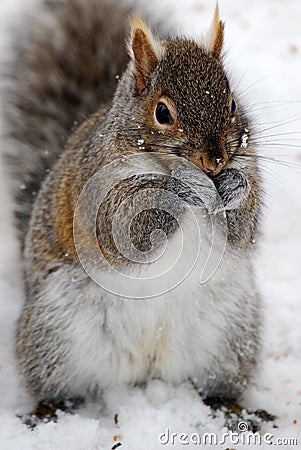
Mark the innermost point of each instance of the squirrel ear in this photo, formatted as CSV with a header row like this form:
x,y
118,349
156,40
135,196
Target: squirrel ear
x,y
145,50
214,38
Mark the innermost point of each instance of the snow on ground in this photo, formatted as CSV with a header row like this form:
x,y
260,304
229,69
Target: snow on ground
x,y
264,55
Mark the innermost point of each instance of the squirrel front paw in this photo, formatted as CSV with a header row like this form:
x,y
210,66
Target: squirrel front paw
x,y
195,187
233,188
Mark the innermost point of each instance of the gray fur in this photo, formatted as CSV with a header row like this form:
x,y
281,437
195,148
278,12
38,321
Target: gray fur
x,y
65,66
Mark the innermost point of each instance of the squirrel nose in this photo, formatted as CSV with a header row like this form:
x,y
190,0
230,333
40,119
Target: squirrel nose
x,y
213,165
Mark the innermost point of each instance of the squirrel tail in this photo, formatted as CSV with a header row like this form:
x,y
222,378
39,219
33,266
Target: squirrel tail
x,y
65,65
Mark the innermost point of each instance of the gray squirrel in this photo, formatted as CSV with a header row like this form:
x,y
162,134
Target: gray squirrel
x,y
170,97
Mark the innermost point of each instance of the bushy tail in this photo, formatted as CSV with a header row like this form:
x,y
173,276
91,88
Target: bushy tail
x,y
66,61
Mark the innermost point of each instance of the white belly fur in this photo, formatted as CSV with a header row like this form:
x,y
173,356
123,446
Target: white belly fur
x,y
181,334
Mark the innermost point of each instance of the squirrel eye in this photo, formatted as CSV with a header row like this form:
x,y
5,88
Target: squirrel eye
x,y
163,115
233,109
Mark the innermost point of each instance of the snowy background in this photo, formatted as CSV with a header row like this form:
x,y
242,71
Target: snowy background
x,y
263,42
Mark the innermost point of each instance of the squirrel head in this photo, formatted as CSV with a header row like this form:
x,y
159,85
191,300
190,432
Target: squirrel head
x,y
178,95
